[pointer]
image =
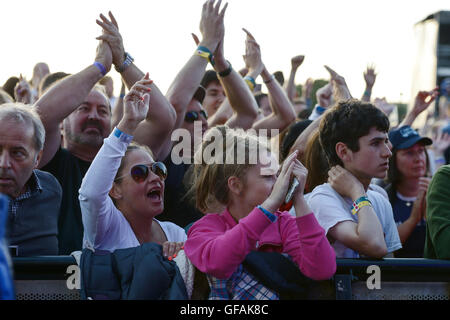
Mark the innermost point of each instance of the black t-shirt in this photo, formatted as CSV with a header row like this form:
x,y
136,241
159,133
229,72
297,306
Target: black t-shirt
x,y
178,208
69,170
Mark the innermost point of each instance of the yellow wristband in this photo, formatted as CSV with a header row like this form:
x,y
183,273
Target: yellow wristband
x,y
361,204
250,82
205,53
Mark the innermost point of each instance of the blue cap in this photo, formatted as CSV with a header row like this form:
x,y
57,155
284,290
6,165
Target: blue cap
x,y
405,137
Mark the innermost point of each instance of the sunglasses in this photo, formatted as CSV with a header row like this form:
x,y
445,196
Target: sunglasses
x,y
140,172
192,116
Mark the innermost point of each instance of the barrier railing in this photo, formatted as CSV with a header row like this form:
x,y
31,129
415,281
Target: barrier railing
x,y
57,278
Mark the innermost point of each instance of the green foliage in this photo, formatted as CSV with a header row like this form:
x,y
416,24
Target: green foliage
x,y
401,109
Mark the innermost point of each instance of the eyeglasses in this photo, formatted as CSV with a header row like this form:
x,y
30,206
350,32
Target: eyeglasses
x,y
139,172
192,116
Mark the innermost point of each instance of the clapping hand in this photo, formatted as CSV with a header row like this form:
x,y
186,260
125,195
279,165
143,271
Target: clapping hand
x,y
113,37
252,57
136,105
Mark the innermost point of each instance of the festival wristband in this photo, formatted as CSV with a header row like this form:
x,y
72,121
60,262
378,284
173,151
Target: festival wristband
x,y
359,203
250,82
268,214
205,53
122,136
101,67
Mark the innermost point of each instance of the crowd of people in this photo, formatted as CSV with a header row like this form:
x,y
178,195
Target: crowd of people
x,y
216,172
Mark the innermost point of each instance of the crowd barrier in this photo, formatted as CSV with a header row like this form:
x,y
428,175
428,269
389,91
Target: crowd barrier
x,y
57,278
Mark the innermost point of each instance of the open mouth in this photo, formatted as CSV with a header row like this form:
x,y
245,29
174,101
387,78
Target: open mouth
x,y
155,194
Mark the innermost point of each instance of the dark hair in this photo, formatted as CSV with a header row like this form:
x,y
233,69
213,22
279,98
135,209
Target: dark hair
x,y
208,77
49,80
346,122
9,85
292,134
279,76
259,97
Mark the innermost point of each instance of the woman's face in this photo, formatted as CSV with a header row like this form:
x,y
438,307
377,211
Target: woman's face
x,y
259,181
146,197
412,162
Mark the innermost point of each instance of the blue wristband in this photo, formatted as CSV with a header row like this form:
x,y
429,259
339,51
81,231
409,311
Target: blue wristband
x,y
268,214
100,67
122,136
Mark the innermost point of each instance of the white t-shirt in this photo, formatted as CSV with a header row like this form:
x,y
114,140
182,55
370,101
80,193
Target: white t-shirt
x,y
330,208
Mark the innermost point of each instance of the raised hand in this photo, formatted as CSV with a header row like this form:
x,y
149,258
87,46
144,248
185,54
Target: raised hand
x,y
370,76
340,88
113,37
324,95
281,186
211,24
136,105
423,100
252,57
22,91
297,61
345,183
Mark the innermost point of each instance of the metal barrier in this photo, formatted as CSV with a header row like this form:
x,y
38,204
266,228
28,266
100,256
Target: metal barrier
x,y
57,278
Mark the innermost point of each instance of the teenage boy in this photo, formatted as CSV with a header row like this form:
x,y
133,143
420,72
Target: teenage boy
x,y
358,221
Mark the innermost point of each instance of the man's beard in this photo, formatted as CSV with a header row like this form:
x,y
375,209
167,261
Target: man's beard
x,y
89,139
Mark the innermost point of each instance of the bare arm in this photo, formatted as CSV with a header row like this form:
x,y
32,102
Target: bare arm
x,y
369,77
188,79
422,102
282,110
161,116
63,98
296,62
238,93
366,236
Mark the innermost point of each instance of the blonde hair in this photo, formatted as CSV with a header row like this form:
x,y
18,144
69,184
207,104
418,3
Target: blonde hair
x,y
232,156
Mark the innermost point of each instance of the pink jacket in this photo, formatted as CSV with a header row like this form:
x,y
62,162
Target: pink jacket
x,y
217,245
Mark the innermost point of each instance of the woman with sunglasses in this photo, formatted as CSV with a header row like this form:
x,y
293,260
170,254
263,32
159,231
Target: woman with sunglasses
x,y
251,194
123,190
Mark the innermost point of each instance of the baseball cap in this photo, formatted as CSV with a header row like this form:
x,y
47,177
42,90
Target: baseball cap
x,y
199,94
405,137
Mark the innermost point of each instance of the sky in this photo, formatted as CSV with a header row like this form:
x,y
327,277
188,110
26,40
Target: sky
x,y
346,35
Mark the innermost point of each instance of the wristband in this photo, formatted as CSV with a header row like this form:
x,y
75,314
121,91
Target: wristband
x,y
101,67
250,82
122,136
359,203
367,93
225,72
270,79
268,214
122,95
128,59
205,53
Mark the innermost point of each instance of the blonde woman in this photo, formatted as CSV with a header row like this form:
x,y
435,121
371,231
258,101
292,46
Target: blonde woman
x,y
251,193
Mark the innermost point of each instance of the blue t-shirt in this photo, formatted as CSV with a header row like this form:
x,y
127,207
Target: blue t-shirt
x,y
414,245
